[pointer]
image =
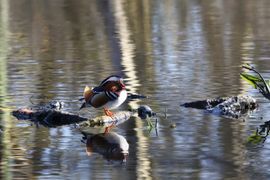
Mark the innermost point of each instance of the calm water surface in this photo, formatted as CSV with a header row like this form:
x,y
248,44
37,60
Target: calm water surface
x,y
173,51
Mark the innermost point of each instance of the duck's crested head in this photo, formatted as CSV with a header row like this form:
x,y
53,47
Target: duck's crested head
x,y
114,79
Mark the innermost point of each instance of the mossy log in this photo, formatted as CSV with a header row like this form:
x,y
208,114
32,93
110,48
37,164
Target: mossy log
x,y
54,118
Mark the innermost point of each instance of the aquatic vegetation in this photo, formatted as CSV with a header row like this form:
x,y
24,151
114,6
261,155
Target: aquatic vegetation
x,y
261,133
257,81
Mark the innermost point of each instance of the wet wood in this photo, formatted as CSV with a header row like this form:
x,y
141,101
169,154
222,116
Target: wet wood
x,y
205,104
54,118
236,107
117,118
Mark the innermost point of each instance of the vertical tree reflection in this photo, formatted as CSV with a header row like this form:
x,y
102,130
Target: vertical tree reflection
x,y
127,50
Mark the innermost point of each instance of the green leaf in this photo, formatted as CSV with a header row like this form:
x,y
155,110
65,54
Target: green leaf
x,y
255,138
267,82
251,79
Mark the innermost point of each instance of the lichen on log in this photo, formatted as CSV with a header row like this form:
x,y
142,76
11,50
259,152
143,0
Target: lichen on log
x,y
117,118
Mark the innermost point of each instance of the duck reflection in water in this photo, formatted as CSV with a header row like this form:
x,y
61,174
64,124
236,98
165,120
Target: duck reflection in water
x,y
111,146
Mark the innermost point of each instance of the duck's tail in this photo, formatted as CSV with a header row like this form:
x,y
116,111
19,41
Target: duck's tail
x,y
87,93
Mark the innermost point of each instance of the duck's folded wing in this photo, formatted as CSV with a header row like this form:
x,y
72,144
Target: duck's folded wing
x,y
112,95
100,99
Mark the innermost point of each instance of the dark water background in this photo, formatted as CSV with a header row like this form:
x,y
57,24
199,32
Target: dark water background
x,y
173,51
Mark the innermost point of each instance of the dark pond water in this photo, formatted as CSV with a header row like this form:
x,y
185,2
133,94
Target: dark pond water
x,y
173,51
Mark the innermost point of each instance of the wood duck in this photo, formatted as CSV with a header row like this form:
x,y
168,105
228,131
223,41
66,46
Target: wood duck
x,y
110,94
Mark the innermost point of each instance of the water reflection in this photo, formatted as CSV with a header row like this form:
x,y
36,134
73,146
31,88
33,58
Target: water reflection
x,y
128,62
111,146
174,51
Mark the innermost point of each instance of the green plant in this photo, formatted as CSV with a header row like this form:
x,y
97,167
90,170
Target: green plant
x,y
257,81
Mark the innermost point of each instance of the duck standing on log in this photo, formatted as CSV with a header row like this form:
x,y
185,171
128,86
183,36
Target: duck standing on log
x,y
110,94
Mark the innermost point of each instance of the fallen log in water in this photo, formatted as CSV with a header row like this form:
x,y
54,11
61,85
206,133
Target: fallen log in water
x,y
54,118
47,117
232,107
205,104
